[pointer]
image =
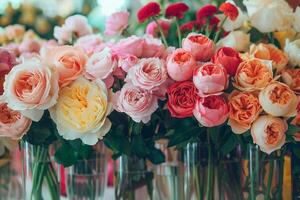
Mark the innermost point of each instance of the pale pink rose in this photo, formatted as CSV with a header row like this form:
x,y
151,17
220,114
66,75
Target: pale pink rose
x,y
148,73
268,133
29,46
116,23
211,111
89,43
69,61
127,61
180,65
14,32
78,24
101,64
13,48
153,47
201,46
210,79
62,34
31,87
139,104
152,28
48,43
132,45
12,123
109,81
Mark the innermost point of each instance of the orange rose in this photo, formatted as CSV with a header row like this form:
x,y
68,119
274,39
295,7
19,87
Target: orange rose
x,y
253,75
291,77
244,108
270,52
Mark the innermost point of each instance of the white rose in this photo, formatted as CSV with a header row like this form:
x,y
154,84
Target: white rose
x,y
238,40
293,51
296,24
269,15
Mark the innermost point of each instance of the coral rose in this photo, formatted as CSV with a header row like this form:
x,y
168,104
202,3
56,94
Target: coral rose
x,y
291,77
279,100
211,111
81,111
244,109
229,10
253,75
116,23
180,65
268,133
182,97
201,47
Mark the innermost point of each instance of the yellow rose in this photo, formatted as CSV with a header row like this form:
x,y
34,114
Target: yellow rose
x,y
81,111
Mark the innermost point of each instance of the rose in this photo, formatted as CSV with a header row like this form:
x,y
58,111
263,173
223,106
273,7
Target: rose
x,y
279,100
149,10
176,10
127,61
269,16
62,34
31,87
210,79
211,111
148,74
253,75
69,61
7,61
89,43
180,65
152,28
230,10
101,64
268,133
116,23
29,46
78,24
201,47
237,40
138,103
81,111
296,24
244,109
152,47
293,51
182,97
132,45
291,77
270,52
12,123
228,58
15,32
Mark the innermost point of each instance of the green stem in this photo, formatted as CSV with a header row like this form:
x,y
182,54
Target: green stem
x,y
210,171
178,32
253,157
281,169
197,182
270,178
161,32
220,30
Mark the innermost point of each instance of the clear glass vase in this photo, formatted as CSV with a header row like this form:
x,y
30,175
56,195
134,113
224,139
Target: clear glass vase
x,y
40,180
87,179
133,179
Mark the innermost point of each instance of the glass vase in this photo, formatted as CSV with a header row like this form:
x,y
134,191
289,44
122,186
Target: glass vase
x,y
133,179
40,180
87,179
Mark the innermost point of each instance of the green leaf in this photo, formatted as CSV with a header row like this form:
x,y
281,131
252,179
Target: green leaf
x,y
292,129
65,155
183,134
214,133
156,156
229,145
117,142
255,35
138,146
85,151
136,128
296,150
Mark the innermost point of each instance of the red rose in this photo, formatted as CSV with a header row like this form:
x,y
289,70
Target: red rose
x,y
189,26
182,97
206,11
228,58
229,10
176,10
147,11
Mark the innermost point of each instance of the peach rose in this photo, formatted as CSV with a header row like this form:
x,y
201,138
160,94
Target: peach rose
x,y
211,111
244,109
202,47
291,77
270,52
253,75
31,87
268,133
279,100
210,79
12,123
180,65
69,61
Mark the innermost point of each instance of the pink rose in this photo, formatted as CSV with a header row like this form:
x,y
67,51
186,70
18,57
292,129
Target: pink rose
x,y
152,28
31,88
101,64
211,111
7,61
153,47
12,124
78,24
116,23
119,73
29,46
139,104
15,31
127,61
148,74
89,43
210,79
180,65
132,45
13,48
201,46
62,34
69,61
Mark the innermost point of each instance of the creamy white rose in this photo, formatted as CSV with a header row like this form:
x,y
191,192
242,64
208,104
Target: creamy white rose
x,y
238,40
293,51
